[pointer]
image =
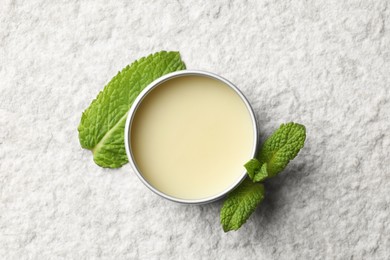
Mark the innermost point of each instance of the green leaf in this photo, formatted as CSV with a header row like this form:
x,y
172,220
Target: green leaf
x,y
262,174
280,148
256,171
252,167
240,204
101,129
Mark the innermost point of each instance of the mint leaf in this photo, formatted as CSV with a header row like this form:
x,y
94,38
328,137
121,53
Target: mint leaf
x,y
240,204
280,148
256,171
253,168
262,174
101,128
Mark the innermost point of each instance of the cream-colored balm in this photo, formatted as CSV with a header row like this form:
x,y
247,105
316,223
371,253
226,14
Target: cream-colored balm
x,y
191,136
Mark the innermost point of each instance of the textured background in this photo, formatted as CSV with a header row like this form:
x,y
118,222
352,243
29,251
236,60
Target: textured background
x,y
325,64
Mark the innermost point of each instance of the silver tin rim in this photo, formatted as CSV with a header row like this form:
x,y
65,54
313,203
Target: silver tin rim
x,y
138,101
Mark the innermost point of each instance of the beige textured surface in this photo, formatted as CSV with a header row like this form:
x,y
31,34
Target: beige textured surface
x,y
325,64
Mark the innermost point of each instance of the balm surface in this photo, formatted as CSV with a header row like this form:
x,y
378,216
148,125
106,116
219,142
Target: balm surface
x,y
191,136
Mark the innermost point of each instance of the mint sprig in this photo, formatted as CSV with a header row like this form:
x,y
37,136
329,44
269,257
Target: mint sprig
x,y
277,151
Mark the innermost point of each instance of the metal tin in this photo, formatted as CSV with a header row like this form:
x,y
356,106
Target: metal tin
x,y
138,101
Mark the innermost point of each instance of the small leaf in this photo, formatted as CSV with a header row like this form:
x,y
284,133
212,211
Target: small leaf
x,y
240,204
256,171
262,174
252,167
